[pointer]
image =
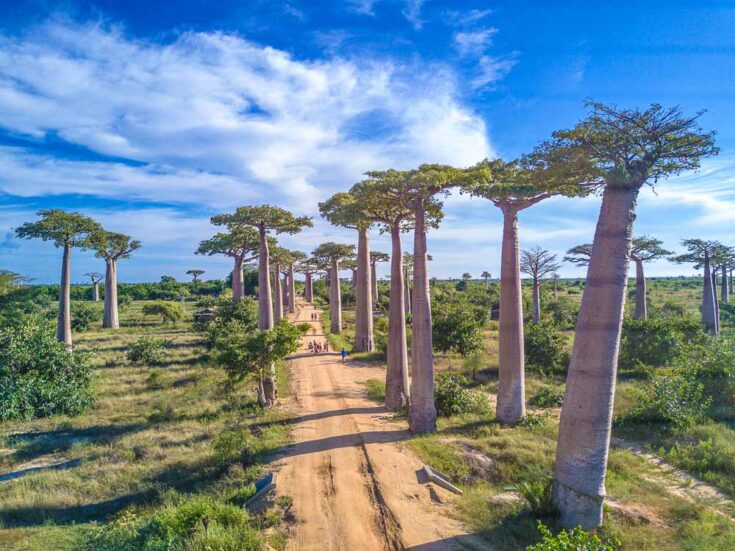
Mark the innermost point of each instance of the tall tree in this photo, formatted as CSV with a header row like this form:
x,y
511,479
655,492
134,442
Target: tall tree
x,y
486,276
555,280
514,187
332,254
629,148
700,253
295,259
265,219
308,267
538,263
111,247
194,275
66,230
375,257
241,243
644,249
343,209
95,277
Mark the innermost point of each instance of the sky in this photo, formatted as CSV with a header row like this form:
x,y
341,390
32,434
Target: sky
x,y
151,116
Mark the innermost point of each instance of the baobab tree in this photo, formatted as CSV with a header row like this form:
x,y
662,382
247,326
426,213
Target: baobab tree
x,y
555,281
96,277
629,148
308,268
194,275
514,187
111,247
241,243
332,254
538,263
486,276
295,258
375,257
701,253
66,230
342,209
265,219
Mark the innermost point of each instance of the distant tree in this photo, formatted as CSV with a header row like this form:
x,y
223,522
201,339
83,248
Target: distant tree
x,y
332,254
112,247
66,230
169,311
487,276
375,257
628,148
308,267
538,263
701,253
644,249
555,280
96,277
195,275
241,243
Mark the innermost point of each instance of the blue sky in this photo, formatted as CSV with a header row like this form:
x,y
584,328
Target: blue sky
x,y
152,116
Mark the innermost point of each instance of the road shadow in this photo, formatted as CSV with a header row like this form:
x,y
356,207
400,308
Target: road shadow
x,y
342,441
71,463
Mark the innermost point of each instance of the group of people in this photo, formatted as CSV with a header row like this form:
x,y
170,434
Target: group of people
x,y
317,347
314,317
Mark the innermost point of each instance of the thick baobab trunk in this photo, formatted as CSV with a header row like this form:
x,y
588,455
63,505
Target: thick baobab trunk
x,y
716,302
536,301
511,403
363,297
421,412
586,417
354,281
641,306
95,291
238,286
265,316
291,290
732,283
709,312
724,288
374,281
63,320
278,295
407,293
335,300
110,319
285,290
397,394
309,287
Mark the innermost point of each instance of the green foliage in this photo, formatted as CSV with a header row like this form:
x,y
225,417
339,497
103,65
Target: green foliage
x,y
146,350
474,362
450,395
574,540
677,399
39,376
562,312
169,311
538,497
546,347
83,316
547,397
657,341
61,227
243,314
458,320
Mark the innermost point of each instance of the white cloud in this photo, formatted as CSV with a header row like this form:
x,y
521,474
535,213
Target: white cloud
x,y
412,12
467,18
474,42
362,7
493,69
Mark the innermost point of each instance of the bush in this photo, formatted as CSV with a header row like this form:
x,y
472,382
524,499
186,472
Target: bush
x,y
169,311
657,341
39,376
546,347
676,399
146,350
562,312
457,326
83,315
537,494
450,395
547,397
574,540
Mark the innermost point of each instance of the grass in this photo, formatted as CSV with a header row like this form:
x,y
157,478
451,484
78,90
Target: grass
x,y
155,438
375,389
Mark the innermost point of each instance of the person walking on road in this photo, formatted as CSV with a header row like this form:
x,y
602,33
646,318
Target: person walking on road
x,y
344,354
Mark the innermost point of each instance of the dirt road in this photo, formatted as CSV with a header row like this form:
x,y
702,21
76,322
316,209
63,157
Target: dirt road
x,y
353,486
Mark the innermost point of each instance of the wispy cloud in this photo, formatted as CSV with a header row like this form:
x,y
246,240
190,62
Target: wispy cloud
x,y
466,18
362,7
412,12
492,69
474,42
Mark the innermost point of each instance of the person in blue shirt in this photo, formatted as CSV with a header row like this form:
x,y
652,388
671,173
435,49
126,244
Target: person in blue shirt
x,y
344,354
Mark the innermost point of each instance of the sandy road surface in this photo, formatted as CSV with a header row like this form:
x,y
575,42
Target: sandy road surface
x,y
353,486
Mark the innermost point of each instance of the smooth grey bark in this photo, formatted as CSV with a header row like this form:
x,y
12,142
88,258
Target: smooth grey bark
x,y
586,417
715,301
407,293
397,392
536,300
363,296
291,290
63,318
709,312
238,285
354,281
732,283
374,281
335,300
511,403
309,287
724,288
278,294
641,306
268,391
110,318
421,412
96,291
285,290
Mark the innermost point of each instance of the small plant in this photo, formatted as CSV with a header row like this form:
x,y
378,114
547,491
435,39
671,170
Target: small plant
x,y
83,316
574,540
475,362
547,397
450,395
154,380
146,350
169,311
533,420
537,494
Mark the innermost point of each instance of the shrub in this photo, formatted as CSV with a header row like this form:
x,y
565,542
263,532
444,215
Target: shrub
x,y
83,315
39,376
676,399
474,362
547,397
546,347
455,326
657,341
562,311
169,311
537,494
574,540
146,350
450,395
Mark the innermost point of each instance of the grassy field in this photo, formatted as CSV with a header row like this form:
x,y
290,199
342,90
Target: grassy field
x,y
156,438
